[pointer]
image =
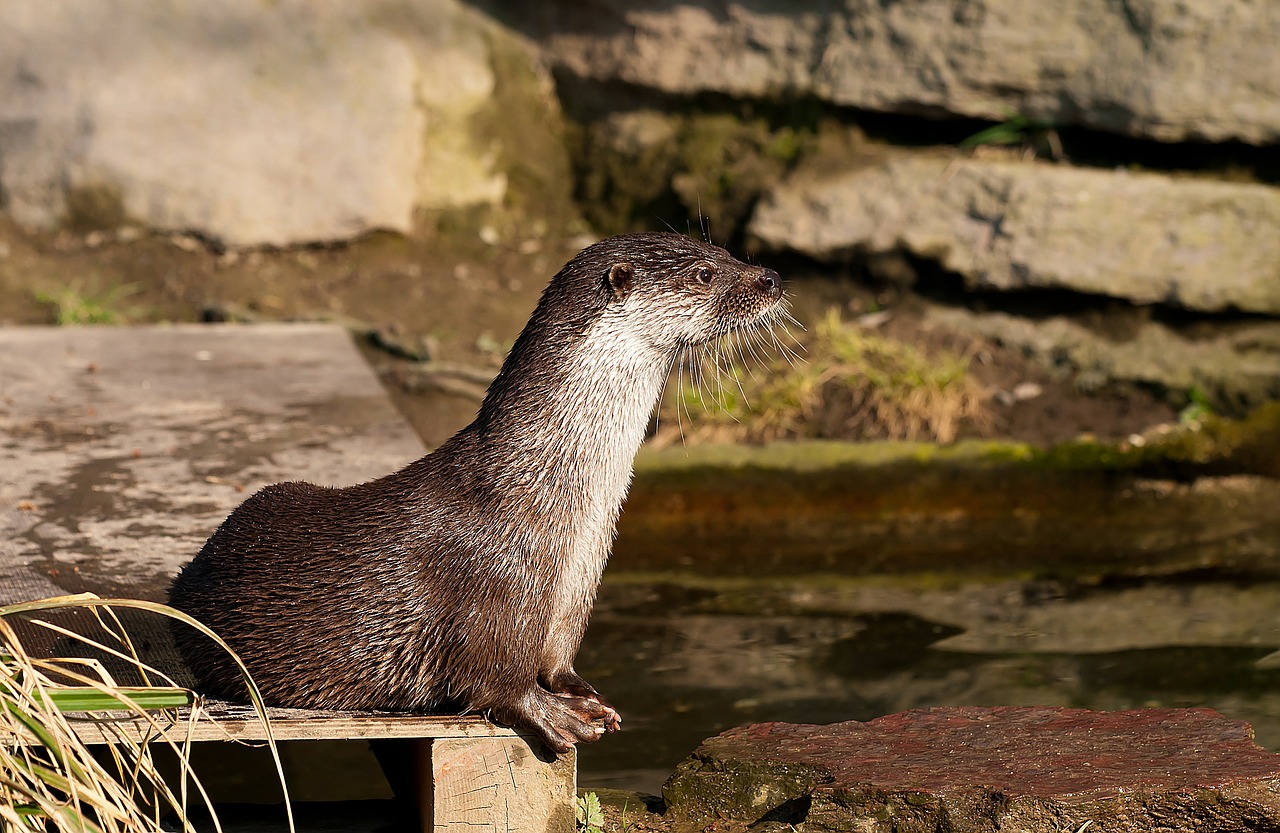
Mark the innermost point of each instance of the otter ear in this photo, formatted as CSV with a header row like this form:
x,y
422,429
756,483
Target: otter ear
x,y
619,278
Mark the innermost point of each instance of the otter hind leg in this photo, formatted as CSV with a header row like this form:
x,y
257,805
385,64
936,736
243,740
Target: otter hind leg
x,y
569,684
560,720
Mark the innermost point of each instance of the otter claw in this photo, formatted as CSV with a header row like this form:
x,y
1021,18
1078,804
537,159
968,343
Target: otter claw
x,y
569,682
569,685
604,713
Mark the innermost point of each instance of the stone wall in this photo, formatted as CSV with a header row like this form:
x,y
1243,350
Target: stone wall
x,y
1134,159
1149,238
1143,169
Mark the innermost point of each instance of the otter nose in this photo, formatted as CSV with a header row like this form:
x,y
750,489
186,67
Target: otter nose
x,y
769,281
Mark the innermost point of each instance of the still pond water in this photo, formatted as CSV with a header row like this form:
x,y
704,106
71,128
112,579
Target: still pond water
x,y
684,659
683,663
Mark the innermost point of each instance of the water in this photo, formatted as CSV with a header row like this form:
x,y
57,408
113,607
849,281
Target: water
x,y
685,661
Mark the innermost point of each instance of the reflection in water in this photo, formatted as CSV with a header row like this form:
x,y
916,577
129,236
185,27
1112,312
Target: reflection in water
x,y
680,670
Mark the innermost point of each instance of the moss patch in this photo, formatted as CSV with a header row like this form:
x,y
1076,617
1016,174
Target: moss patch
x,y
80,302
1180,498
1215,446
525,121
639,169
94,208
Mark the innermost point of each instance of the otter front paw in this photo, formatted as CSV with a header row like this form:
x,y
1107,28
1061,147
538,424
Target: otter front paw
x,y
559,720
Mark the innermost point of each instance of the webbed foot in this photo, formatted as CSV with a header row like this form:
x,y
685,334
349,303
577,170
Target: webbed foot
x,y
568,683
560,720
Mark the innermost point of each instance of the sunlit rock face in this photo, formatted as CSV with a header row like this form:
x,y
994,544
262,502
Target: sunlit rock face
x,y
1007,225
249,123
1200,70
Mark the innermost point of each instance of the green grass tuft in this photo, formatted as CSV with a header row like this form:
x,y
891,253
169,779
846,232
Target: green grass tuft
x,y
50,780
77,304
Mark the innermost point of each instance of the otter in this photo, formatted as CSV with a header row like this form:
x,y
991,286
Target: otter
x,y
463,582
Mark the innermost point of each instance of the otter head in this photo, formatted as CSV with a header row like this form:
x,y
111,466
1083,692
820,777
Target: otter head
x,y
680,292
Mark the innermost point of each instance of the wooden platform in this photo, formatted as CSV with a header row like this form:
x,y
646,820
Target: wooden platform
x,y
121,449
233,721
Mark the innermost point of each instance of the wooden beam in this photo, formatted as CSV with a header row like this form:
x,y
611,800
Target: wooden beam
x,y
220,720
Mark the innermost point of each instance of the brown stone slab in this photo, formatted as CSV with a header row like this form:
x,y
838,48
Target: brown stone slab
x,y
986,769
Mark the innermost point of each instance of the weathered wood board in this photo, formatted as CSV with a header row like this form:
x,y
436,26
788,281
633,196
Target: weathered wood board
x,y
219,720
122,449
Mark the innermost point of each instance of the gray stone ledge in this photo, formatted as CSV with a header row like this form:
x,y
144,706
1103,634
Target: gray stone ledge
x,y
1201,70
1147,238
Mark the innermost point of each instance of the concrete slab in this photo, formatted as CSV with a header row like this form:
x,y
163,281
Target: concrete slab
x,y
121,449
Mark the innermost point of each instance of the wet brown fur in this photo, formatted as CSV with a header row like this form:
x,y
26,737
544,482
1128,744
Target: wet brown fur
x,y
463,581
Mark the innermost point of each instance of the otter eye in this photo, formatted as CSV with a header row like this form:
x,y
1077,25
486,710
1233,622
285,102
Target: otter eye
x,y
705,274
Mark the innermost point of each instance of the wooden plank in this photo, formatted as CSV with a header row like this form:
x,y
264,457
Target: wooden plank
x,y
221,720
497,785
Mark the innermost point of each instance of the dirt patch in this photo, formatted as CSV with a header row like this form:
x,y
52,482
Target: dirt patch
x,y
1027,402
1024,399
460,290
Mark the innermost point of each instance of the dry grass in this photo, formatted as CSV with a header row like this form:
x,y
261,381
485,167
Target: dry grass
x,y
852,384
50,780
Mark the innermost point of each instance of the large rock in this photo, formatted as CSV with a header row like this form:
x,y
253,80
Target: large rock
x,y
976,769
1148,238
1202,69
248,122
1236,367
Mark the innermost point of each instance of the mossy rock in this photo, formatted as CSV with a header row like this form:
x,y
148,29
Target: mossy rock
x,y
639,168
1193,498
702,787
